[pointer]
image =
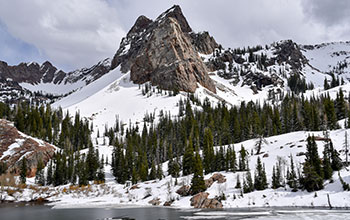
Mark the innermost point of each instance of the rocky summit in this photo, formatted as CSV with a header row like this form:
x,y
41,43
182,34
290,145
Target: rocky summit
x,y
165,52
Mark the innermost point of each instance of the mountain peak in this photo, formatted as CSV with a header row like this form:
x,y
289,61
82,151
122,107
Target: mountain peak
x,y
163,52
141,24
175,12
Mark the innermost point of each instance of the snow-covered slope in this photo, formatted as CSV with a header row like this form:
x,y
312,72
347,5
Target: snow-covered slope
x,y
329,57
114,95
277,148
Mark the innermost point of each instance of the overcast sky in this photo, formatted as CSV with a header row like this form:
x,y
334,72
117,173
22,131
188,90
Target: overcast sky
x,y
78,33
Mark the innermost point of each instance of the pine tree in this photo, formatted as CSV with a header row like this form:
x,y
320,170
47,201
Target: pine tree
x,y
248,185
242,160
23,170
49,179
92,163
188,159
238,183
312,177
260,180
275,180
159,172
153,172
198,184
258,144
134,176
292,177
143,171
101,172
326,163
336,162
39,175
208,150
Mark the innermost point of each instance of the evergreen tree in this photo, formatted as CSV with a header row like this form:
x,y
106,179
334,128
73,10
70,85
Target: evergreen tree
x,y
39,175
312,177
153,172
242,160
238,183
208,150
92,163
143,170
101,172
336,162
188,159
260,180
248,185
159,172
326,163
292,176
198,184
49,179
275,180
23,170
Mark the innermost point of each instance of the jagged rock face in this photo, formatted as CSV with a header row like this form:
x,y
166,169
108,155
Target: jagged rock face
x,y
163,52
290,52
11,77
204,43
29,73
15,145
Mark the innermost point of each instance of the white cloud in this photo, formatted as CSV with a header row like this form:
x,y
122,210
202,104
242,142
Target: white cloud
x,y
78,33
71,33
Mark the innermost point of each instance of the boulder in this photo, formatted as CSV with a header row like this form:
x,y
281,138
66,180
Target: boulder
x,y
184,190
201,201
167,203
155,201
215,177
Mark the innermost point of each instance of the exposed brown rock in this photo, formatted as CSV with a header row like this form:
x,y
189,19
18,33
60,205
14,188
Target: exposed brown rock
x,y
163,53
167,203
155,201
203,42
27,147
134,187
183,190
215,177
201,201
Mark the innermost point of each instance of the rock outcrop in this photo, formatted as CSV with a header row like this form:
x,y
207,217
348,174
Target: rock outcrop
x,y
14,145
165,52
184,190
215,177
201,201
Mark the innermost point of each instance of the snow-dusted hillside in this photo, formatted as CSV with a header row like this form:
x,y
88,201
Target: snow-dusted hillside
x,y
277,148
328,57
114,94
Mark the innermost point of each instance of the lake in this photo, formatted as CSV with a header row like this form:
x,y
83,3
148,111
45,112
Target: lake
x,y
42,212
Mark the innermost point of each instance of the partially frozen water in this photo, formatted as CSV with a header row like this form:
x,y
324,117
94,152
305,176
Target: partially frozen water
x,y
27,212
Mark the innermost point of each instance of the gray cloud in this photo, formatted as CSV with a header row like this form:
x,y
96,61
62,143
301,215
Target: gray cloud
x,y
328,12
71,33
77,33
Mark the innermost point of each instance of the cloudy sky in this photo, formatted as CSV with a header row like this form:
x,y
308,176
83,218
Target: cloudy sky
x,y
78,33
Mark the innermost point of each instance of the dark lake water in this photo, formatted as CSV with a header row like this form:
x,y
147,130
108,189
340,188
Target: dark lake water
x,y
42,212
